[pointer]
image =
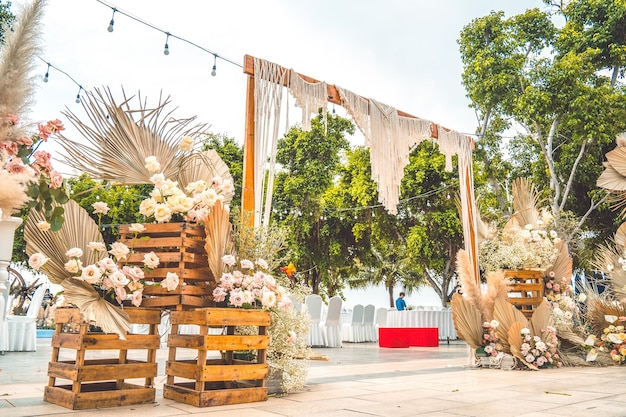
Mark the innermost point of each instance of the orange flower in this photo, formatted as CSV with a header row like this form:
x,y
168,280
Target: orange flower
x,y
289,269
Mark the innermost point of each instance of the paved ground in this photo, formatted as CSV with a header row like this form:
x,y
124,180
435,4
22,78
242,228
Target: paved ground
x,y
365,380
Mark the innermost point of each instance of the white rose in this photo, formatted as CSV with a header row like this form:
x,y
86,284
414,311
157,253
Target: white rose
x,y
171,281
147,206
137,228
43,225
97,246
37,260
151,260
100,207
186,143
158,180
152,164
162,213
74,253
73,266
119,250
91,274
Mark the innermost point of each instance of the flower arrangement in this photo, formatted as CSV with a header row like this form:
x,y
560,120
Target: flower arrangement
x,y
27,175
556,288
539,353
490,345
168,200
520,248
246,284
613,338
110,276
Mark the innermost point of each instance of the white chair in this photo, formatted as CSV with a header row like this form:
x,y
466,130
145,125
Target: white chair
x,y
332,326
5,306
381,320
313,306
353,332
368,323
23,329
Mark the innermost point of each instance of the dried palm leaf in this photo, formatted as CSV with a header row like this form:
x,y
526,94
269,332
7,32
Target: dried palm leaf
x,y
204,166
514,338
525,202
469,286
218,238
497,287
611,180
606,259
597,308
467,321
620,139
17,62
540,320
574,338
110,318
506,314
562,266
617,160
78,231
620,236
122,137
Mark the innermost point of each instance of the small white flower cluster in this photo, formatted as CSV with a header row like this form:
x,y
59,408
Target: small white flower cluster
x,y
539,353
518,248
195,202
244,287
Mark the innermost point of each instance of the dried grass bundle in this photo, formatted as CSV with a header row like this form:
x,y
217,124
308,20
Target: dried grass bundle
x,y
218,238
469,286
497,288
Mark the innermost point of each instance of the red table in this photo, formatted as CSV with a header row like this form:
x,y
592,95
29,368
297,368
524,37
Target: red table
x,y
403,337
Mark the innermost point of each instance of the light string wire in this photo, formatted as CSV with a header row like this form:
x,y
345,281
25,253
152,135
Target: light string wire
x,y
46,77
169,34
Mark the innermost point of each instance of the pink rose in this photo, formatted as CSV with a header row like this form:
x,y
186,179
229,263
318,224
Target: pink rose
x,y
134,273
237,298
42,161
11,119
55,125
44,131
24,141
56,179
137,296
16,166
9,147
219,294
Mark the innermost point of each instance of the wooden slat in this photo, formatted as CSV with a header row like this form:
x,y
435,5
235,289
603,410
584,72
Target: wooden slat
x,y
101,395
211,398
101,370
222,317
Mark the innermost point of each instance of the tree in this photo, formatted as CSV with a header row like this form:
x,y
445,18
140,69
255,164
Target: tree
x,y
309,162
524,72
6,19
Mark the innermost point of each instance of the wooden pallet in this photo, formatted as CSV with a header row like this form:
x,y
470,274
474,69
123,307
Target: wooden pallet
x,y
210,382
527,290
101,382
180,248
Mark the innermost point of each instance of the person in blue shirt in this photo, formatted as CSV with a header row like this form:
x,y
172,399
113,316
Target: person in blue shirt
x,y
400,303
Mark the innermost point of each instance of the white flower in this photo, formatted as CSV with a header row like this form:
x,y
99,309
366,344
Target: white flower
x,y
73,266
262,263
152,164
246,264
107,264
229,260
37,260
158,180
100,207
494,323
97,246
137,228
186,143
162,213
525,331
118,279
151,260
74,253
171,281
43,225
119,250
137,296
269,299
91,274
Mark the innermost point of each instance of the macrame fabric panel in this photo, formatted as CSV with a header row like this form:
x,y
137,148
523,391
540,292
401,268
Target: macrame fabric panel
x,y
269,79
358,108
453,143
309,97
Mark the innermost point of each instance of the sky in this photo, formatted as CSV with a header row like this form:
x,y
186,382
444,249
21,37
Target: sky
x,y
402,53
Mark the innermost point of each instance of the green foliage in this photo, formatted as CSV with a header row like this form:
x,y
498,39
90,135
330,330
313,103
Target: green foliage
x,y
6,19
232,154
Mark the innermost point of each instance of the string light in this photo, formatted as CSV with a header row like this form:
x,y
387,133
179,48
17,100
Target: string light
x,y
110,28
166,51
168,34
214,69
80,88
45,77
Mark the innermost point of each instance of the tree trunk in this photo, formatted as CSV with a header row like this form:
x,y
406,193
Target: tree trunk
x,y
391,300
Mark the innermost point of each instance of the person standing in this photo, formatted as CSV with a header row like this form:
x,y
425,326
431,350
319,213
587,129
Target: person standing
x,y
400,303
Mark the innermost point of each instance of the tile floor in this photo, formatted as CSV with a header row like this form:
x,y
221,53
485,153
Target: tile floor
x,y
364,380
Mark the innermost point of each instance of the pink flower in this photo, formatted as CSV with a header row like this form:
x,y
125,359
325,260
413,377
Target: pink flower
x,y
219,294
556,287
11,119
16,166
237,297
45,131
74,253
134,273
37,260
9,147
42,161
120,294
246,264
56,179
229,260
24,141
227,281
136,298
171,281
107,264
55,125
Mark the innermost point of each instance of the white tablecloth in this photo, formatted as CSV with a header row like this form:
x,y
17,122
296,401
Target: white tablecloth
x,y
424,318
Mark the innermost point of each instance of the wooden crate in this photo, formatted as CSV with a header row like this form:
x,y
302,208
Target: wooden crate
x,y
101,382
180,248
210,382
527,290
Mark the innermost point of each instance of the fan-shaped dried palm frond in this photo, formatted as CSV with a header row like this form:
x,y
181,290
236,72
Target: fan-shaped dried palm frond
x,y
617,160
122,137
525,202
540,320
506,314
606,259
562,266
611,180
620,236
78,231
620,139
17,62
514,338
497,287
110,318
218,238
469,286
597,308
204,166
467,321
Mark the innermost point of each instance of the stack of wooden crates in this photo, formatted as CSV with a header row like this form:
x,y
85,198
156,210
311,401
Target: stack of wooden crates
x,y
526,292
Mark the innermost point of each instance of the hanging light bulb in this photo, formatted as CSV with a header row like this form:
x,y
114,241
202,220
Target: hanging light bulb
x,y
110,28
45,77
214,69
166,51
78,94
334,112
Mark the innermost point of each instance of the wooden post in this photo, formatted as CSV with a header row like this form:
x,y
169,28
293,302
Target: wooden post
x,y
247,194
